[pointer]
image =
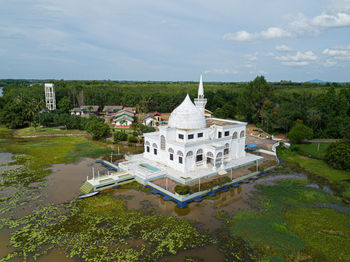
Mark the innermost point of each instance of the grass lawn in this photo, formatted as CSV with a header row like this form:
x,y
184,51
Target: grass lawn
x,y
30,131
317,167
313,149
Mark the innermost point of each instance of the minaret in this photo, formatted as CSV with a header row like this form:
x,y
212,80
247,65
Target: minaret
x,y
50,96
200,101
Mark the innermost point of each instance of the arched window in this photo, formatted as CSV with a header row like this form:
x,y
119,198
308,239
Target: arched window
x,y
189,154
218,159
180,155
210,154
234,136
226,150
171,153
242,134
162,142
147,143
155,145
199,155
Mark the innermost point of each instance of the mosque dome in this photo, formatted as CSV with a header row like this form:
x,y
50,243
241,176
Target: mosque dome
x,y
187,116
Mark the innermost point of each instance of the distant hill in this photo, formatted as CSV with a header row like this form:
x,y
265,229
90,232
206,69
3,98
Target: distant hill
x,y
316,81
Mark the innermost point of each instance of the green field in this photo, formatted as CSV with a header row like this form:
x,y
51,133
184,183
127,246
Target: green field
x,y
42,131
317,150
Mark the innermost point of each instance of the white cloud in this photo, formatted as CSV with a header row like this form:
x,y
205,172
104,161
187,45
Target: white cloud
x,y
297,59
251,57
299,56
335,52
221,71
295,63
283,48
332,20
275,32
329,63
270,33
239,36
258,72
338,53
300,25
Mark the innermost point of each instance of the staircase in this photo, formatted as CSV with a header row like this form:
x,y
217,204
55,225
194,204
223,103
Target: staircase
x,y
86,188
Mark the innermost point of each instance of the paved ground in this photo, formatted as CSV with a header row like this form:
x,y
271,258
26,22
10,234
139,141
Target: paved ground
x,y
263,143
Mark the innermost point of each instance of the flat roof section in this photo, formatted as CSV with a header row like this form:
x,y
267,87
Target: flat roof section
x,y
218,122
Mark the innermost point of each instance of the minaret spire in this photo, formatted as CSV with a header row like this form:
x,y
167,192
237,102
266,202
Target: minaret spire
x,y
200,88
200,101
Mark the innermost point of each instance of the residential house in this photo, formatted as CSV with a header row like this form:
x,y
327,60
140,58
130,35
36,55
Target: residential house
x,y
110,110
84,110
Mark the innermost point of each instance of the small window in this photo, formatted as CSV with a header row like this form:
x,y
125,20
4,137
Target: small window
x,y
155,151
200,135
227,133
171,157
190,136
181,136
180,159
226,150
199,158
147,149
219,135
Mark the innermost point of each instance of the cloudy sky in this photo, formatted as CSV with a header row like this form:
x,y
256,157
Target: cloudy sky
x,y
226,40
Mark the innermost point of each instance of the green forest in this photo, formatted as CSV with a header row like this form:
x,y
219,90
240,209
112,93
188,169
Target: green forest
x,y
275,107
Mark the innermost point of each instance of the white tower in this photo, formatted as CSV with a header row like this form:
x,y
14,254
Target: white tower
x,y
200,101
50,96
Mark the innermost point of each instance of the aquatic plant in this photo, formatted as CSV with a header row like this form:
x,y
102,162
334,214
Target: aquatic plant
x,y
100,229
275,228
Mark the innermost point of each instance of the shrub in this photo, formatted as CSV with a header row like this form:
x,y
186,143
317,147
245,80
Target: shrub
x,y
208,185
132,138
182,190
299,133
97,129
120,136
338,155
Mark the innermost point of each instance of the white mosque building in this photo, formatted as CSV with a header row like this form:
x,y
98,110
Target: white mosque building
x,y
191,145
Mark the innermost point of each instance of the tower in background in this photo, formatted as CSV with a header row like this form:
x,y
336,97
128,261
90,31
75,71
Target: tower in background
x,y
50,96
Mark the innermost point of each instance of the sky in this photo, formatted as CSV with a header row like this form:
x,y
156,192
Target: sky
x,y
161,40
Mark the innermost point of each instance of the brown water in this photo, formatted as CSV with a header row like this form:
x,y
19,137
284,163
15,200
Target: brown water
x,y
64,183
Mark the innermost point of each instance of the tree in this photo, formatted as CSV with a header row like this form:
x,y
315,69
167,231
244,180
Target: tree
x,y
14,115
251,100
65,105
338,155
97,129
120,136
299,133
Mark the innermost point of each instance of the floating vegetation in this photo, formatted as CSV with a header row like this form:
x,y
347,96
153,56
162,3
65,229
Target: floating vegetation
x,y
101,229
278,228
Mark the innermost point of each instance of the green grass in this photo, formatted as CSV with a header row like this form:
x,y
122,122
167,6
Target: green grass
x,y
317,167
288,225
31,131
325,232
317,150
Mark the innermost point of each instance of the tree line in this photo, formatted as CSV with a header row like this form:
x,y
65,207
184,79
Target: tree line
x,y
275,107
